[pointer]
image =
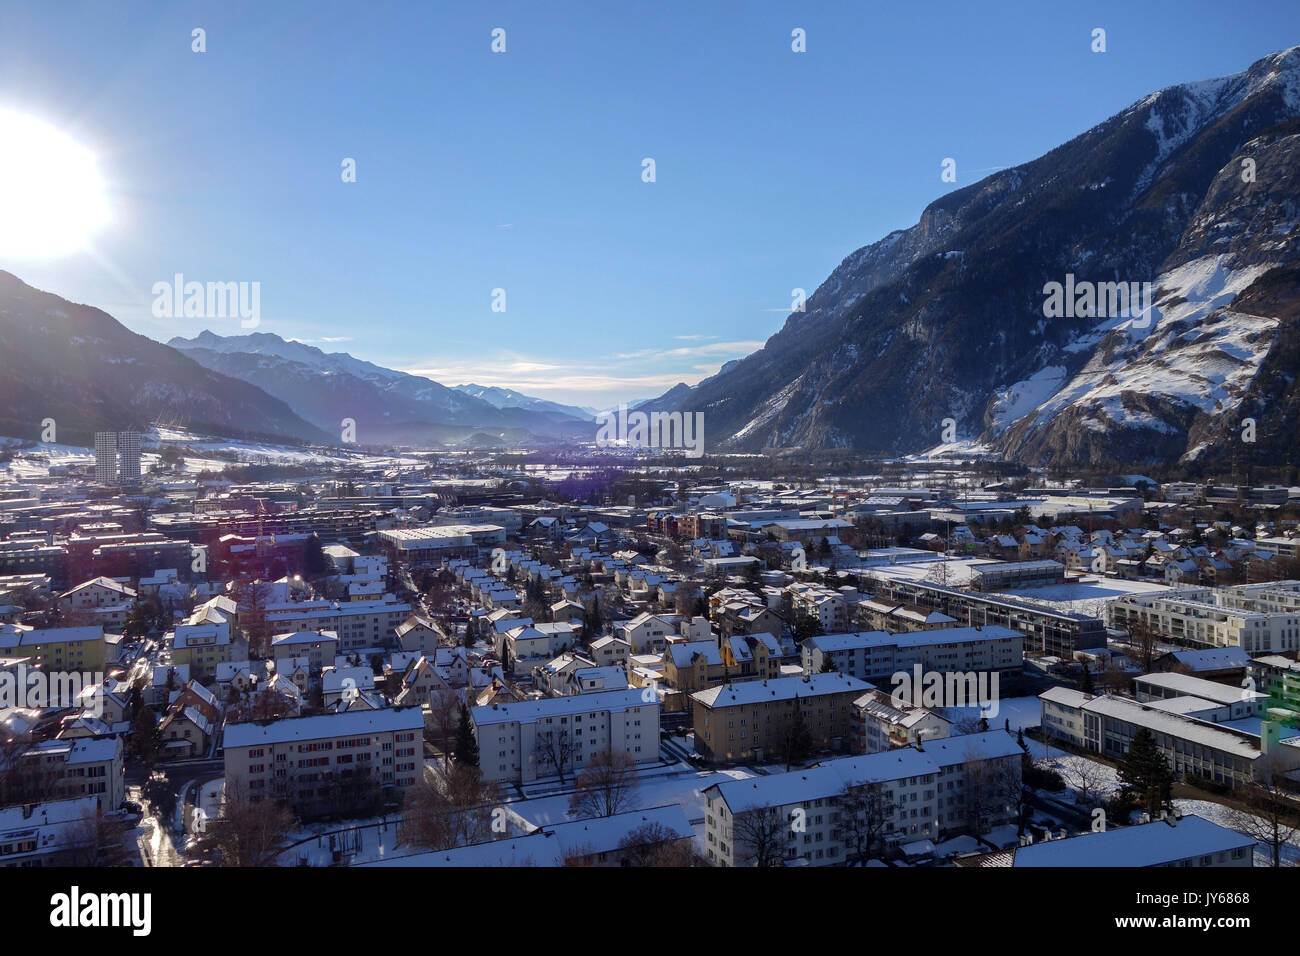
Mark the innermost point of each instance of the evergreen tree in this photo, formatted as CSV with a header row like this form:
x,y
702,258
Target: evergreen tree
x,y
313,556
1086,683
1144,775
466,751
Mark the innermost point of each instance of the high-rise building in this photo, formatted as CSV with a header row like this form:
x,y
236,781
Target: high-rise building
x,y
106,457
128,454
117,457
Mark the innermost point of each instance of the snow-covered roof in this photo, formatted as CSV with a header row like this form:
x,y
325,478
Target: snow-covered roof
x,y
1149,844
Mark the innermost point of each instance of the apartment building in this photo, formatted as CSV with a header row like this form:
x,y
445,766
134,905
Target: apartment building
x,y
359,625
881,724
832,609
745,720
1260,619
82,767
1280,677
557,736
313,763
876,655
906,795
79,649
100,600
315,649
52,833
646,633
117,457
874,615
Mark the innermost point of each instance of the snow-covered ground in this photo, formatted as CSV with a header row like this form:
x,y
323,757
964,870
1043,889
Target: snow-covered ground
x,y
202,453
1020,713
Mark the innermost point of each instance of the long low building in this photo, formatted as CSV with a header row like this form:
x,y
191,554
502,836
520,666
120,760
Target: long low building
x,y
558,736
1047,631
1187,841
430,545
312,763
1191,746
876,655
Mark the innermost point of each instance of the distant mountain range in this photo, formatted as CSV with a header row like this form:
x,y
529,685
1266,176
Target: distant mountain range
x,y
82,368
1194,189
508,398
388,406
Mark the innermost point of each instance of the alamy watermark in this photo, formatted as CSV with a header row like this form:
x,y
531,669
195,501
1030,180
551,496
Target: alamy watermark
x,y
1100,300
30,688
624,429
930,689
179,299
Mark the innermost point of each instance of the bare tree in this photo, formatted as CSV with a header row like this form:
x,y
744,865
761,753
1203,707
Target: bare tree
x,y
1084,776
982,798
867,819
1143,638
247,832
444,715
556,747
1270,816
605,786
99,840
653,844
27,775
1114,679
451,809
761,836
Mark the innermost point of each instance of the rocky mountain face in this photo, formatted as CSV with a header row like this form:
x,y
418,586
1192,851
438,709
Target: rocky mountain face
x,y
82,368
1189,198
386,405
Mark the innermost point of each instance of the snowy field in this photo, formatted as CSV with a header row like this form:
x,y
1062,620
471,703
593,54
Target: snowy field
x,y
202,453
1020,712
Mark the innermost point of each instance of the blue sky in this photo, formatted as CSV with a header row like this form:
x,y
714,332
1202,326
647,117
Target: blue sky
x,y
522,170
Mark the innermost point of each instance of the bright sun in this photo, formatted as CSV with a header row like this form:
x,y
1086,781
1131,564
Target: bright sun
x,y
51,196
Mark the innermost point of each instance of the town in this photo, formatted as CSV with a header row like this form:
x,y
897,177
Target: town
x,y
622,657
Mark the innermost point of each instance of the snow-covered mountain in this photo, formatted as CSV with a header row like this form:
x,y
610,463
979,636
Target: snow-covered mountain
x,y
386,405
508,398
1193,189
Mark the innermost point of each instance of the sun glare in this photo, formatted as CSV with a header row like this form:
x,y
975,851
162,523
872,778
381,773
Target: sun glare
x,y
51,195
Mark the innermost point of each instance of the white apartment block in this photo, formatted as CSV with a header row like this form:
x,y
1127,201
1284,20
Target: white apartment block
x,y
90,767
876,655
1258,618
358,624
557,736
924,795
295,759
